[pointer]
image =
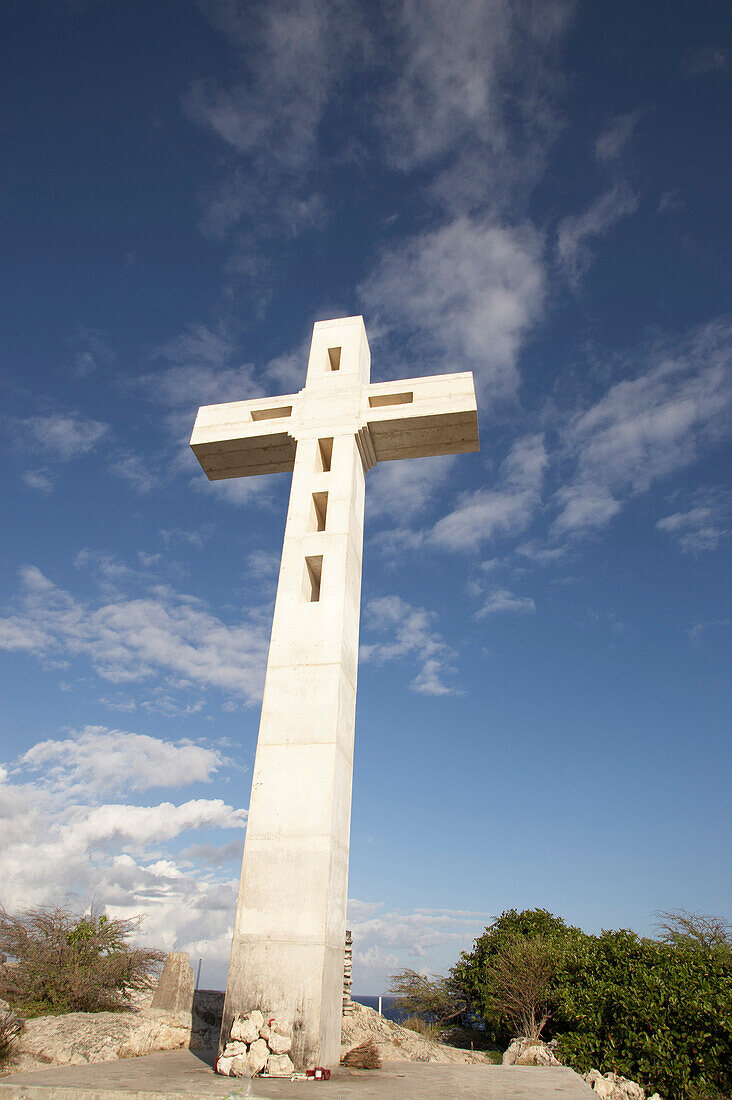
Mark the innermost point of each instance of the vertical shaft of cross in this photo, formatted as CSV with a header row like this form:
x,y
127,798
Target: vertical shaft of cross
x,y
288,944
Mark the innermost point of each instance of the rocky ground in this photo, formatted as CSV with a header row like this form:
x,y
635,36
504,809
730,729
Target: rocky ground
x,y
83,1037
398,1044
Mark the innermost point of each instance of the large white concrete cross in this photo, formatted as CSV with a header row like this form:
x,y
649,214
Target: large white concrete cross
x,y
288,944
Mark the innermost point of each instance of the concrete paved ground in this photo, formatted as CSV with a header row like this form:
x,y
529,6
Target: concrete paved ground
x,y
185,1075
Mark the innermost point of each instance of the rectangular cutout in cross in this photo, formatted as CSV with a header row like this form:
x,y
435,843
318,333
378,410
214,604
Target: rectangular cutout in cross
x,y
334,358
324,456
271,414
318,512
312,578
379,399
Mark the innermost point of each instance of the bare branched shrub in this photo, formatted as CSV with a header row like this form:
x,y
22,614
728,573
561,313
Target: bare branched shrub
x,y
63,962
435,1000
364,1056
520,978
10,1028
683,929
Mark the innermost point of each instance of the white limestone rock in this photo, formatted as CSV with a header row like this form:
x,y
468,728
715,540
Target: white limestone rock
x,y
231,1050
612,1086
530,1052
278,1043
223,1065
264,1032
280,1065
258,1056
243,1029
257,1019
240,1066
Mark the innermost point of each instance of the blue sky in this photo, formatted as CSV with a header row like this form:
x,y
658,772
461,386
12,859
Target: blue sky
x,y
534,192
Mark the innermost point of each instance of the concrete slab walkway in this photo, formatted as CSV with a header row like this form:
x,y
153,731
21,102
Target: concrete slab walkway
x,y
185,1075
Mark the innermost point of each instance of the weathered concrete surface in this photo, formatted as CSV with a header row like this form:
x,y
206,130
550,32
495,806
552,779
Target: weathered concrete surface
x,y
176,986
289,931
181,1075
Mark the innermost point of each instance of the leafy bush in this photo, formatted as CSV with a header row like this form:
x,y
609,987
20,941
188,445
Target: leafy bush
x,y
69,963
656,1011
497,975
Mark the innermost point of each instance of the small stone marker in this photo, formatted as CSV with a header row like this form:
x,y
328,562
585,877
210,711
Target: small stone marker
x,y
287,948
176,986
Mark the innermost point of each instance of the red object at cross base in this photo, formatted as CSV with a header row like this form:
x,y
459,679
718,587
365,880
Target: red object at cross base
x,y
320,1073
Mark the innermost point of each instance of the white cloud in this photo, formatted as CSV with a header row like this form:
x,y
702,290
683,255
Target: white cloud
x,y
91,351
134,639
473,94
575,233
467,292
410,635
427,940
403,489
703,527
616,135
293,54
63,437
501,601
203,371
98,760
63,844
137,471
486,513
647,427
42,480
698,630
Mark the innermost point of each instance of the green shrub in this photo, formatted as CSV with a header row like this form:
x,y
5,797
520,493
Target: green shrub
x,y
481,973
68,963
656,1011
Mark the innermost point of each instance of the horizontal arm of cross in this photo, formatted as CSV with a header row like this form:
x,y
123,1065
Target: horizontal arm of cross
x,y
410,418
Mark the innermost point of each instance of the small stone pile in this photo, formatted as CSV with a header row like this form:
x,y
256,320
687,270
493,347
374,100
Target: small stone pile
x,y
257,1045
613,1087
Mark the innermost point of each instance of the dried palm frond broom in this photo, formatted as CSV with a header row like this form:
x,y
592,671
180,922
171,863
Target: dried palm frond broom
x,y
364,1056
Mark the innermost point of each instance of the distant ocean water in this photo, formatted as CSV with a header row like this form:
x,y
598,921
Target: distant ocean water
x,y
387,1006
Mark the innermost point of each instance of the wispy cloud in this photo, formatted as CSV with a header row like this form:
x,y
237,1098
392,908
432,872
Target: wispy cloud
x,y
474,94
706,59
648,426
468,291
136,639
91,351
41,480
411,635
616,135
506,510
577,232
63,437
703,527
290,57
501,601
